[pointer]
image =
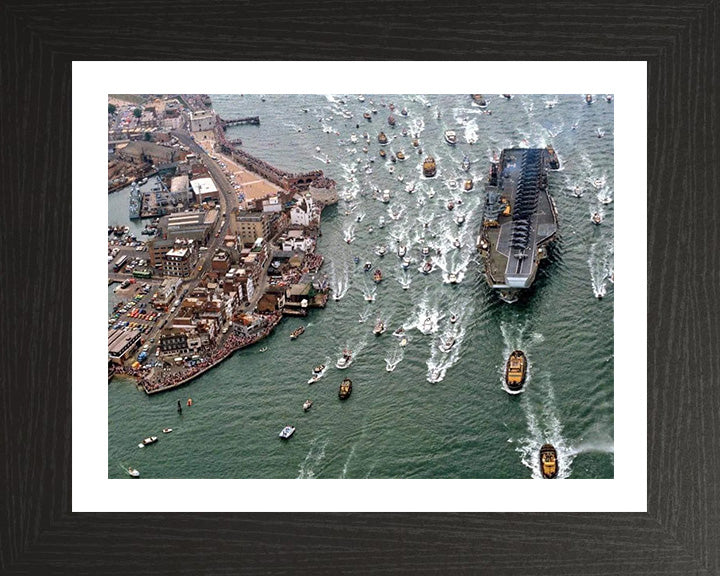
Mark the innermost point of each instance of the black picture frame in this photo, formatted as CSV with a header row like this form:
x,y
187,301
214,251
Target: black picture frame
x,y
680,533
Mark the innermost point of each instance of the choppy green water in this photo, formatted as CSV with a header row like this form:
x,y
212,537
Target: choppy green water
x,y
397,424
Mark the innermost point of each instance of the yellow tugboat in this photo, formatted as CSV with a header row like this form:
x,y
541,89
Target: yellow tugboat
x,y
382,138
345,389
429,167
515,371
548,461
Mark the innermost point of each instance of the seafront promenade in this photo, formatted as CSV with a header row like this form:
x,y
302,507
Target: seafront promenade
x,y
161,381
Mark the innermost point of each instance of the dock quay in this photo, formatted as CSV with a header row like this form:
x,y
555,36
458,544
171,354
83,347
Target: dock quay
x,y
519,221
253,120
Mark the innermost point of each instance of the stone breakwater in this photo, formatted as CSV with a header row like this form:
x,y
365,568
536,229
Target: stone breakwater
x,y
232,343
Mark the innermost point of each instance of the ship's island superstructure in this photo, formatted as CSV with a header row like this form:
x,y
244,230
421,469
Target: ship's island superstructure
x,y
520,219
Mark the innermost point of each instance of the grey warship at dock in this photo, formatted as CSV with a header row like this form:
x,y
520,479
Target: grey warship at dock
x,y
520,219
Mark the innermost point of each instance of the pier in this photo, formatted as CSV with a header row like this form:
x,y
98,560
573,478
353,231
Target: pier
x,y
253,120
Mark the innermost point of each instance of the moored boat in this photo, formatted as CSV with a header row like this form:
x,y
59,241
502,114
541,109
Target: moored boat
x,y
296,333
385,198
453,318
516,371
286,432
459,219
404,111
345,389
548,461
401,251
429,167
382,153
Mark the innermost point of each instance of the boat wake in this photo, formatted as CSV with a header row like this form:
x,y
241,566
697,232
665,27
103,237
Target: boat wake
x,y
314,457
394,358
345,466
349,234
441,358
471,132
601,266
339,283
364,315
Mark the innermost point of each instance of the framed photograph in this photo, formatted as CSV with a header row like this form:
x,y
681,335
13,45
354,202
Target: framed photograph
x,y
482,383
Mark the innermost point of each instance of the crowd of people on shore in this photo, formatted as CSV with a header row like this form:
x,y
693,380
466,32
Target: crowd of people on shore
x,y
234,341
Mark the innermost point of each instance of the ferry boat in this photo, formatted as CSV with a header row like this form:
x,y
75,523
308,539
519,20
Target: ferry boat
x,y
429,167
147,441
465,164
377,276
345,389
379,328
296,333
516,371
401,155
134,473
548,461
451,137
382,138
447,345
307,405
596,218
479,100
286,432
345,361
468,185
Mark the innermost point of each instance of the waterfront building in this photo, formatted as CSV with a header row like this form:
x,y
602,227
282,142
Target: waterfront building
x,y
173,342
294,240
202,120
121,344
197,225
272,300
204,189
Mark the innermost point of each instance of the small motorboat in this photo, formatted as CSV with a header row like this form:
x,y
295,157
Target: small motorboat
x,y
367,116
516,371
577,192
451,137
167,430
479,100
600,132
367,266
383,154
465,164
400,332
134,473
401,251
377,276
608,98
391,120
356,259
345,361
307,405
457,244
369,297
459,219
588,99
381,222
403,342
427,326
410,188
400,155
380,251
450,205
382,139
404,111
379,328
405,263
429,167
425,250
263,349
446,345
295,333
286,432
385,198
345,389
319,368
415,142
452,278
453,318
596,218
147,441
468,185
507,96
548,461
427,268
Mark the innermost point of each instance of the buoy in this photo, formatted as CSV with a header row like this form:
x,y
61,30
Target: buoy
x,y
189,402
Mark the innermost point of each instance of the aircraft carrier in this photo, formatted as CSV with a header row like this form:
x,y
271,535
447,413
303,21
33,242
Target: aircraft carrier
x,y
520,219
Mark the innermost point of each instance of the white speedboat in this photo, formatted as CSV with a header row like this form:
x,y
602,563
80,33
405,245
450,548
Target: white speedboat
x,y
451,137
425,250
457,244
427,268
369,297
410,188
345,361
147,441
286,432
427,326
446,345
460,219
596,218
453,318
134,473
403,342
379,328
307,405
401,251
452,278
167,430
405,263
380,251
385,196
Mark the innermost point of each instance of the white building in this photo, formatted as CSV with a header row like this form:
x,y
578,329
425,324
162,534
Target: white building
x,y
293,241
271,204
301,213
204,189
202,120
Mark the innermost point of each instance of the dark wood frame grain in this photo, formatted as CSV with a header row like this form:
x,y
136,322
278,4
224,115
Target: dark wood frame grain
x,y
680,533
